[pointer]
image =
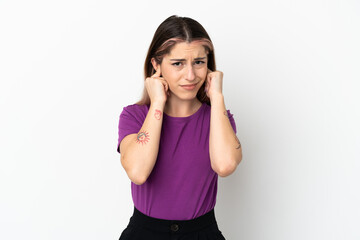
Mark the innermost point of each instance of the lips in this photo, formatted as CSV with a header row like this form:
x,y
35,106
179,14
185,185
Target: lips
x,y
189,85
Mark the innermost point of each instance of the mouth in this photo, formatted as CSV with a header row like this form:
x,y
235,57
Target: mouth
x,y
189,86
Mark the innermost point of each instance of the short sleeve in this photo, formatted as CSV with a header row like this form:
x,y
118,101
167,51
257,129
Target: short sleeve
x,y
130,121
231,119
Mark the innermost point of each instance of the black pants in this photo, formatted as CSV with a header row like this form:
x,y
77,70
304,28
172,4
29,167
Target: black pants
x,y
143,227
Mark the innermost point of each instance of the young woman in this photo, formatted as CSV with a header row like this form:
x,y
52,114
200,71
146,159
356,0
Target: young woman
x,y
178,138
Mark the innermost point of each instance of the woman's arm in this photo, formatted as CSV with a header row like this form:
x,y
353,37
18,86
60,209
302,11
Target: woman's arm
x,y
139,151
225,148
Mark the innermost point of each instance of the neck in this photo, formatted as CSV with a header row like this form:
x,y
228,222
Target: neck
x,y
181,108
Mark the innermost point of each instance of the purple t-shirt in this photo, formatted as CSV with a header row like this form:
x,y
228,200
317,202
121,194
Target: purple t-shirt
x,y
182,184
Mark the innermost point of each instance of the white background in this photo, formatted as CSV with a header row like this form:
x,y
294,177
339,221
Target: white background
x,y
291,79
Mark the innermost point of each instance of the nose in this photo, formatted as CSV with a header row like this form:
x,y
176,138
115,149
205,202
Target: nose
x,y
190,74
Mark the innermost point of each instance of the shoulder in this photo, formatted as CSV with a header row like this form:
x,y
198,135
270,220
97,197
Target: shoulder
x,y
231,119
135,110
207,108
229,114
226,113
136,107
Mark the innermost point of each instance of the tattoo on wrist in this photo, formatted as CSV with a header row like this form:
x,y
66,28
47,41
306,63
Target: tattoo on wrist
x,y
142,137
239,146
157,114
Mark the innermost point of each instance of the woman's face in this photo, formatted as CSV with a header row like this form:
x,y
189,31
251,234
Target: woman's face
x,y
185,69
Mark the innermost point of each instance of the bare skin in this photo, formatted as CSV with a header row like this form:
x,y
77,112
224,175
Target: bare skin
x,y
225,149
169,92
139,151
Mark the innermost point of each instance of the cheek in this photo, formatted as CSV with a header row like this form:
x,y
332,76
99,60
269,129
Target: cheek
x,y
202,73
171,76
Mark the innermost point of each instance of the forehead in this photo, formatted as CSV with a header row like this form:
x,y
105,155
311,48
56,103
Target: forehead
x,y
185,49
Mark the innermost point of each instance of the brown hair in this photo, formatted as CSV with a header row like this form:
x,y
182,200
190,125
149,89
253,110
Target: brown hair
x,y
173,30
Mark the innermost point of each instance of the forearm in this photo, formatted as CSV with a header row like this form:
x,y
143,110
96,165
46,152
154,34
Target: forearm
x,y
225,148
142,152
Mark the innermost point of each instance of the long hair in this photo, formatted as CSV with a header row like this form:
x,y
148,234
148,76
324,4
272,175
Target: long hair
x,y
173,30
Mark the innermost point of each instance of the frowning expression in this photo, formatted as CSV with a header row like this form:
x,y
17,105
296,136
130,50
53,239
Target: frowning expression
x,y
185,69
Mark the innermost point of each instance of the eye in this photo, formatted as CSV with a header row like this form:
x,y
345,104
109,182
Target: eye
x,y
199,62
177,64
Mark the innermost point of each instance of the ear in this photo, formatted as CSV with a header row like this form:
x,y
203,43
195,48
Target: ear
x,y
154,63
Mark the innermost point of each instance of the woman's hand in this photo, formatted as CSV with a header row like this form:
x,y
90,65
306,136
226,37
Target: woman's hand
x,y
157,87
213,85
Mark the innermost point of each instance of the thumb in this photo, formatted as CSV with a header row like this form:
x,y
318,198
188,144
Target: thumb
x,y
158,72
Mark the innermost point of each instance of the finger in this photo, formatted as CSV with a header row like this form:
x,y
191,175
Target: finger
x,y
158,72
207,86
167,86
208,76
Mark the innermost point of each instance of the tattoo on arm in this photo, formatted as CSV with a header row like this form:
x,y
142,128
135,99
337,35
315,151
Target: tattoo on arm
x,y
157,114
226,113
142,137
239,146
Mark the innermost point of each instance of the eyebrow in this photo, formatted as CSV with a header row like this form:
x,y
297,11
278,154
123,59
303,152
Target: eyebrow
x,y
181,60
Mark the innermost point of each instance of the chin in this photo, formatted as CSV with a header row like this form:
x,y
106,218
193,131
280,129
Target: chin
x,y
186,97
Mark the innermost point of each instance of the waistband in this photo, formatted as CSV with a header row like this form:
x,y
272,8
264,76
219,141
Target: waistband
x,y
174,226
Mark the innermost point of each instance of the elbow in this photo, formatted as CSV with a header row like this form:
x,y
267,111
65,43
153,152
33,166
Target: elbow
x,y
137,178
227,169
138,181
133,173
225,164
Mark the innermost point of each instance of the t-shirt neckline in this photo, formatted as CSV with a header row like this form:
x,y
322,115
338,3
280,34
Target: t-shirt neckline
x,y
185,118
